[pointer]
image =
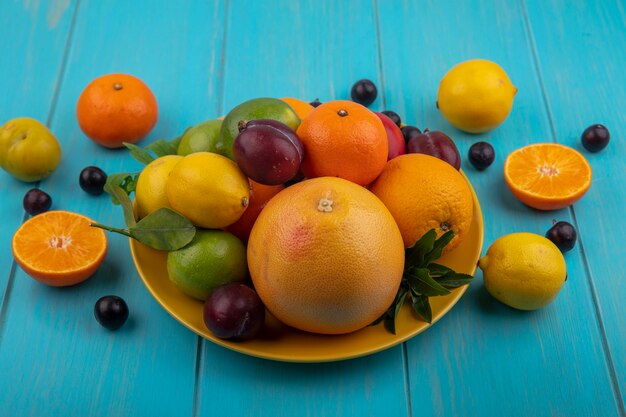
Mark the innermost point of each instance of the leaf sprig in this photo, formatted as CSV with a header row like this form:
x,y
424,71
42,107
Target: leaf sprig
x,y
163,229
423,278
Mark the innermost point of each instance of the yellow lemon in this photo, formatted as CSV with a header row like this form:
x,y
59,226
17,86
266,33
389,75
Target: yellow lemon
x,y
476,96
523,270
208,189
150,191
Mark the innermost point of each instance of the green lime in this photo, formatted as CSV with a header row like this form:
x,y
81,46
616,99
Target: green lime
x,y
200,138
211,259
257,108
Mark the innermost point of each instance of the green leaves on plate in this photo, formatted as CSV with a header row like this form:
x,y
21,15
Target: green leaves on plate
x,y
160,147
163,229
423,279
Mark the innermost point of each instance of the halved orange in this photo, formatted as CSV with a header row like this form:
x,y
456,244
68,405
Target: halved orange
x,y
547,176
59,248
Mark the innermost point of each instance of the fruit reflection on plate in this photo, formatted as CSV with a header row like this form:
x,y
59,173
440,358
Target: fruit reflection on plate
x,y
283,343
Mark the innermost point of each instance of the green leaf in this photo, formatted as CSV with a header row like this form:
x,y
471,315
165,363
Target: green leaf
x,y
435,252
115,180
176,141
390,323
422,283
139,154
163,229
162,147
125,180
116,192
130,183
438,270
421,305
416,253
447,277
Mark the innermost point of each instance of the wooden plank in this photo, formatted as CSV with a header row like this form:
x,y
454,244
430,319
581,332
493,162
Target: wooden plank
x,y
484,358
585,84
299,49
33,40
55,358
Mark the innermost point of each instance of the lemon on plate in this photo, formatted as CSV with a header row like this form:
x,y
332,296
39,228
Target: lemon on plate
x,y
208,189
150,191
523,270
476,96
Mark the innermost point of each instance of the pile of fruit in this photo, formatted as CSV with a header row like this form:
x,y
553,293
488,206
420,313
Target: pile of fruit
x,y
328,216
312,213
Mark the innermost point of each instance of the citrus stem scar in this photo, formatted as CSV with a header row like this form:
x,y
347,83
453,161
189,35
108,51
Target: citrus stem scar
x,y
117,86
244,202
342,113
325,205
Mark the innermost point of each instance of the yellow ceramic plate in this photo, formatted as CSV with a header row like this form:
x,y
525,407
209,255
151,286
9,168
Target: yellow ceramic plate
x,y
279,342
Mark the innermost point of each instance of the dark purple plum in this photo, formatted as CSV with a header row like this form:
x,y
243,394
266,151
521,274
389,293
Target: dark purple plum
x,y
481,155
111,312
410,132
436,144
393,116
234,311
563,235
36,201
595,138
92,180
364,92
316,103
267,151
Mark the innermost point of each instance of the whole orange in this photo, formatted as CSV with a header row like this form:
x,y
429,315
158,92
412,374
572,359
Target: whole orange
x,y
422,193
301,107
260,194
116,108
326,256
343,139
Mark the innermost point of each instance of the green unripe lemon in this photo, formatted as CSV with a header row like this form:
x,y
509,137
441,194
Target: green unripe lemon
x,y
200,138
211,259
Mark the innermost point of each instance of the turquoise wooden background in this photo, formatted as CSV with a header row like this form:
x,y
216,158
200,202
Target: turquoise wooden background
x,y
201,58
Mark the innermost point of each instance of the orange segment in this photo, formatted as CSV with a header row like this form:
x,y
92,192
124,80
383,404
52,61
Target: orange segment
x,y
59,248
547,176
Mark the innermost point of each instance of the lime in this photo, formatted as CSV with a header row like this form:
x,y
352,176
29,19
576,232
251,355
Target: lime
x,y
523,270
258,108
150,191
209,189
211,259
200,138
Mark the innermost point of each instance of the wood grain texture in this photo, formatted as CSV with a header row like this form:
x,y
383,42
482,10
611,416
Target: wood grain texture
x,y
485,358
32,56
55,358
299,49
584,84
201,59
